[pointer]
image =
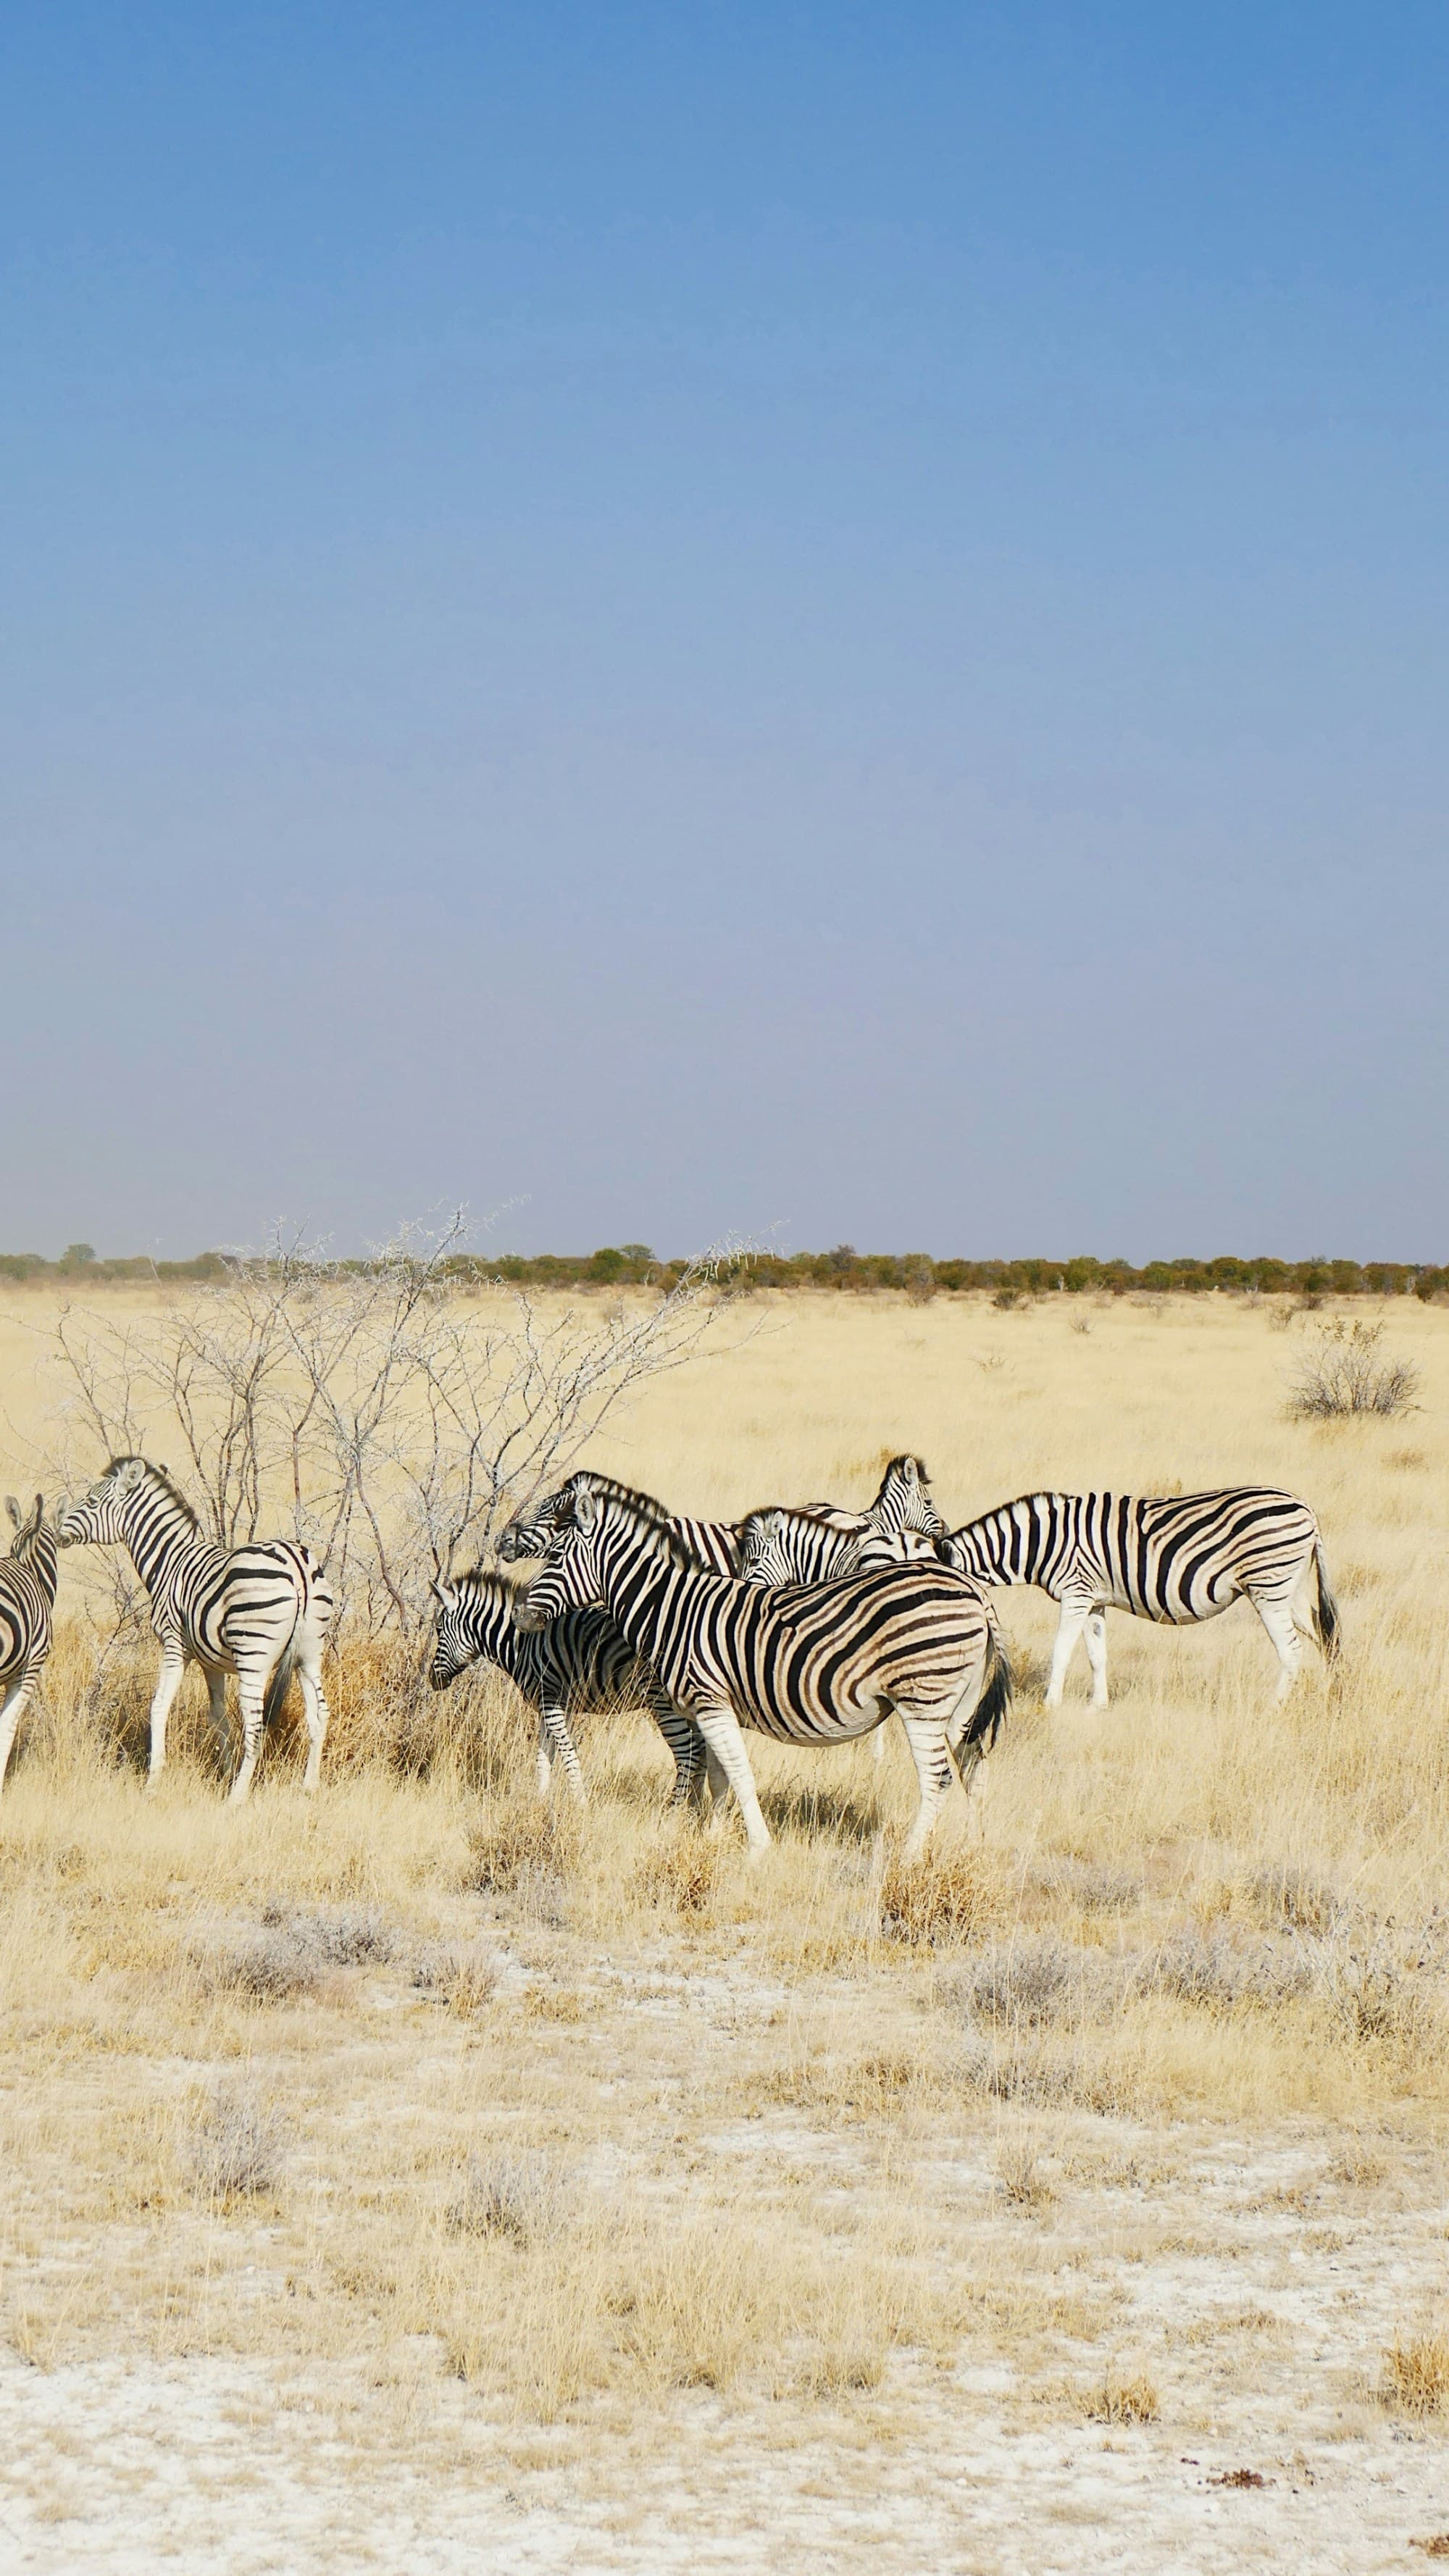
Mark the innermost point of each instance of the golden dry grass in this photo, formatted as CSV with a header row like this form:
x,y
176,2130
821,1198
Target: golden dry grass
x,y
583,2115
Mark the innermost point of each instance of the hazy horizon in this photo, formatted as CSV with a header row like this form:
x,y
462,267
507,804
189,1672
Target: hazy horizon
x,y
826,624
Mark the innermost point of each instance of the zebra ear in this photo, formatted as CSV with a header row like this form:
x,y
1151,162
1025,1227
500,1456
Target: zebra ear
x,y
13,1508
585,1511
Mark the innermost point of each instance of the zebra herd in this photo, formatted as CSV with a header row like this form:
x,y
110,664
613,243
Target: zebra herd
x,y
812,1626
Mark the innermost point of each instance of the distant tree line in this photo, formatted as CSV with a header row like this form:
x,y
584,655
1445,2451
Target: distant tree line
x,y
916,1274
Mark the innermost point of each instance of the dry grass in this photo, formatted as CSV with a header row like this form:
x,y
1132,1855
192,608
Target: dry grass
x,y
579,2111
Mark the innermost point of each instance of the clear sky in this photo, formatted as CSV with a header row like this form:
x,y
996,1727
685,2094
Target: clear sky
x,y
715,618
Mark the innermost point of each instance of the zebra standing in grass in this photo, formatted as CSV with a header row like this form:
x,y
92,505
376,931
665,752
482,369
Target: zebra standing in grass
x,y
807,1667
902,1503
260,1611
27,1598
1176,1558
579,1661
824,1546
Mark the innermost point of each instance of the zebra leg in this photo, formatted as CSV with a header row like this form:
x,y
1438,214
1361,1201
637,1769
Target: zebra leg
x,y
1097,1655
1278,1619
220,1723
314,1703
1069,1628
252,1694
721,1731
173,1665
554,1727
545,1755
10,1715
926,1737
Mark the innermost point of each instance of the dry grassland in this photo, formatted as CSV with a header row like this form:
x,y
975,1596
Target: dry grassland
x,y
418,2178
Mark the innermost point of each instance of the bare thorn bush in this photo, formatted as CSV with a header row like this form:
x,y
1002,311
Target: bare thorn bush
x,y
1347,1373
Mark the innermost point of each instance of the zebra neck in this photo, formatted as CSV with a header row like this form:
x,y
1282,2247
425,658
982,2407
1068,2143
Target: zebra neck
x,y
490,1625
156,1538
999,1551
639,1589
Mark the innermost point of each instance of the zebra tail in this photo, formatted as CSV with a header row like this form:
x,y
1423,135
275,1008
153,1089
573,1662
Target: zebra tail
x,y
281,1681
996,1690
1325,1614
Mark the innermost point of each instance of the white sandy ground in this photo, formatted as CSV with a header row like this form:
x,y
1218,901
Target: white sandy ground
x,y
238,2467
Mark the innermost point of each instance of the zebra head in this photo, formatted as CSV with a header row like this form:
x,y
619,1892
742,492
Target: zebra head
x,y
528,1533
766,1557
903,1502
453,1648
102,1514
34,1545
571,1576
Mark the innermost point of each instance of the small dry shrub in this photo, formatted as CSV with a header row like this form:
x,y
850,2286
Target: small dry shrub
x,y
237,2148
1436,2546
942,1900
1021,2177
1359,2163
529,1853
464,1976
1384,1995
1123,2400
294,1950
521,2198
1211,1970
1416,2373
1287,1894
1088,1885
1024,1983
1346,1373
680,1874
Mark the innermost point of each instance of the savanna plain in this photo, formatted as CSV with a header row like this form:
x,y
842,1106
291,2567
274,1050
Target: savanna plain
x,y
429,2177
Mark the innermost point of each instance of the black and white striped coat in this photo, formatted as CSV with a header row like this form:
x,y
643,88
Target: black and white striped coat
x,y
1175,1558
579,1662
819,1667
27,1599
902,1503
261,1611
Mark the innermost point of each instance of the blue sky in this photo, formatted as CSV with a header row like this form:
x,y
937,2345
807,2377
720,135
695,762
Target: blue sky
x,y
694,620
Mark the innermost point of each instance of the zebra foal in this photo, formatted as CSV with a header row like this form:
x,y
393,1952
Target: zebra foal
x,y
1175,1558
817,1666
260,1611
579,1661
27,1599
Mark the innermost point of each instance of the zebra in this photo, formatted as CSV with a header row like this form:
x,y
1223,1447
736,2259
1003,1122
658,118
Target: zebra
x,y
779,1546
901,1503
820,1666
579,1661
27,1599
260,1611
1173,1558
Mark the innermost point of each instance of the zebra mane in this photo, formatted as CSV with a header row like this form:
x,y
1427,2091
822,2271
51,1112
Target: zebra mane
x,y
611,1489
653,1520
898,1466
161,1476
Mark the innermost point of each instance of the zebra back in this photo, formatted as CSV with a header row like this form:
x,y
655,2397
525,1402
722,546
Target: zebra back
x,y
1174,1557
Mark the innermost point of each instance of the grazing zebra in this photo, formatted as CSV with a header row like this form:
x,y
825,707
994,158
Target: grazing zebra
x,y
902,1503
1178,1558
818,1666
579,1661
261,1611
27,1598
